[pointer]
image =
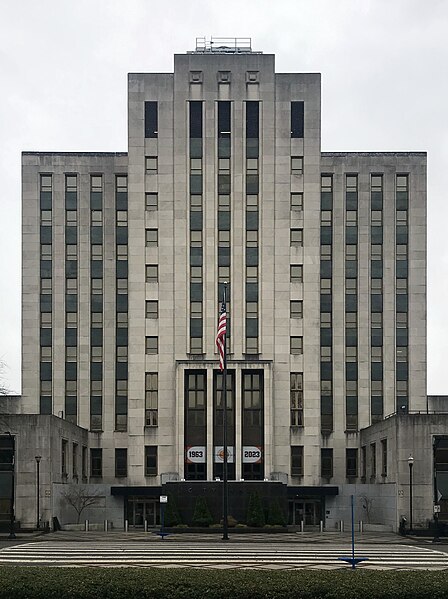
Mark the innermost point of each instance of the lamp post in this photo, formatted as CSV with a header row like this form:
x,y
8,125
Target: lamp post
x,y
410,464
38,459
12,534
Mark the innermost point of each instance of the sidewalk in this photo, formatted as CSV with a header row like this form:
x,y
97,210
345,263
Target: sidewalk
x,y
213,537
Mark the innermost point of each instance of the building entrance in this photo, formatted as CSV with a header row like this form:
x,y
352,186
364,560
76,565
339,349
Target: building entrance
x,y
308,511
141,509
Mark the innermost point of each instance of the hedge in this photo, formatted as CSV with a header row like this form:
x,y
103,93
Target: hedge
x,y
152,583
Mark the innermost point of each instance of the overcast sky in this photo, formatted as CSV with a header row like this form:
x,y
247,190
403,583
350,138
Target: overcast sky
x,y
384,66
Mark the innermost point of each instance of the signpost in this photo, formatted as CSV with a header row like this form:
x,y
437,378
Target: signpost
x,y
163,502
353,560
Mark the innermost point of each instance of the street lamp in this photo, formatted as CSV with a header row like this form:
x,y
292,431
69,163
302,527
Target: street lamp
x,y
410,464
38,459
12,534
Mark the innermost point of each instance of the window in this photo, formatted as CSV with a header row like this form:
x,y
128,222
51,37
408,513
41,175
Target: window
x,y
384,457
151,237
297,119
151,398
296,460
75,460
152,345
152,273
372,460
121,462
297,201
351,463
296,344
64,457
151,165
84,462
296,391
296,309
152,309
297,165
151,460
151,119
296,273
297,237
326,463
151,201
96,463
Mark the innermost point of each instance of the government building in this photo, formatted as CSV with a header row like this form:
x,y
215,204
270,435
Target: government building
x,y
125,256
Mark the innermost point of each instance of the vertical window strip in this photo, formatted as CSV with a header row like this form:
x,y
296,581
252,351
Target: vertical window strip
x,y
46,289
196,225
351,317
224,170
401,306
121,295
376,297
326,364
252,173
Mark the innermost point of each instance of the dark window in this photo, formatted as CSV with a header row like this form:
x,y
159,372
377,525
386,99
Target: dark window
x,y
252,120
151,460
326,463
297,119
96,463
351,463
151,119
384,457
296,460
224,120
121,462
195,120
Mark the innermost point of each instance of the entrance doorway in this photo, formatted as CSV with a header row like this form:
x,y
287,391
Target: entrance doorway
x,y
140,509
308,511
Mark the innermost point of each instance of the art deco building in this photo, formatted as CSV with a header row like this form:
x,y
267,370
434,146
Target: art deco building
x,y
124,260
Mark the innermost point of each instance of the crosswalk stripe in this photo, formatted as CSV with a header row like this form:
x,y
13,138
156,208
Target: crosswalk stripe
x,y
174,554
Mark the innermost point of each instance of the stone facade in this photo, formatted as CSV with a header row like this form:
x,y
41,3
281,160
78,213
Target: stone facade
x,y
213,79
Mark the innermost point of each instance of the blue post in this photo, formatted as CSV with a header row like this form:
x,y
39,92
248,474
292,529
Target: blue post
x,y
353,560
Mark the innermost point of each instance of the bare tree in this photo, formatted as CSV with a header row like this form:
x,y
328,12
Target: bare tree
x,y
3,388
79,499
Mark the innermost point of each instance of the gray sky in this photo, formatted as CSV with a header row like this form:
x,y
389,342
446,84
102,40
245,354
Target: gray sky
x,y
63,67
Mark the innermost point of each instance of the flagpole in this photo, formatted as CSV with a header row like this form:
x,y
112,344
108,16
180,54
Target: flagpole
x,y
225,498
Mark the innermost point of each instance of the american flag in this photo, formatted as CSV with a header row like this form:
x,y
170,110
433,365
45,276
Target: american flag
x,y
221,334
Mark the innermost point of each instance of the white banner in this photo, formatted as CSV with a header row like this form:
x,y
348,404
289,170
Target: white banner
x,y
252,455
195,454
219,455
